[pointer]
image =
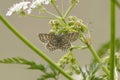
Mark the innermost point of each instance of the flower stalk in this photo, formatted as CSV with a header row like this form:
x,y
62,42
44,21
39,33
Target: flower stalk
x,y
87,42
97,58
68,10
112,38
53,3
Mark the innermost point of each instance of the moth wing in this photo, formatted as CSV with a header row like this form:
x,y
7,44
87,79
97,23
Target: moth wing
x,y
44,37
71,36
51,47
65,45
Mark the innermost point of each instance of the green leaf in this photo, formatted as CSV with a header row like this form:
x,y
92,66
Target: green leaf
x,y
118,3
47,76
18,60
48,70
105,47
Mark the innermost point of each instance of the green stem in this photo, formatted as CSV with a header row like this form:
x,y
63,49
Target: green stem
x,y
118,3
53,3
112,38
68,10
62,6
43,17
31,46
97,58
52,14
94,53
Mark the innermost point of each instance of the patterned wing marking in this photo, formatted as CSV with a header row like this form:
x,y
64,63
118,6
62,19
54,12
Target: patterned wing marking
x,y
51,47
65,45
71,36
44,37
62,41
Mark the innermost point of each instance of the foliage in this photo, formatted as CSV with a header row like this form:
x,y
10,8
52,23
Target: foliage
x,y
105,47
34,66
61,24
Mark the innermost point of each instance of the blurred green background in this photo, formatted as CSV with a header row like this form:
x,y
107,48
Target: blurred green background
x,y
94,13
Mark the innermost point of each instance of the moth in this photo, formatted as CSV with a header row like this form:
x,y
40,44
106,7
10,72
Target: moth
x,y
60,41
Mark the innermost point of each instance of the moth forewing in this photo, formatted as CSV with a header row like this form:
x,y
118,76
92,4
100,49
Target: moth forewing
x,y
44,37
51,47
72,36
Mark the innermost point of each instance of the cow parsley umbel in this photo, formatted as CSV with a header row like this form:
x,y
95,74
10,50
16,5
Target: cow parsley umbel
x,y
25,7
19,8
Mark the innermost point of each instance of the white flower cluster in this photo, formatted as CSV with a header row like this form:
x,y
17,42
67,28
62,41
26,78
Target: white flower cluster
x,y
25,6
39,2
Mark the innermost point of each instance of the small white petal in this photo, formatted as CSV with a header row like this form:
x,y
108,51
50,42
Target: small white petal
x,y
116,74
29,11
17,8
46,1
9,13
36,3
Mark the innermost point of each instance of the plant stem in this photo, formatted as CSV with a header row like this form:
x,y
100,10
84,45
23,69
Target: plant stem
x,y
112,38
62,6
32,47
68,10
118,3
94,53
52,14
53,3
97,58
43,17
